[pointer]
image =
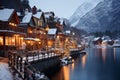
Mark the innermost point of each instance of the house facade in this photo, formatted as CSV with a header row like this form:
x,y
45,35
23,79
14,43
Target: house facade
x,y
11,36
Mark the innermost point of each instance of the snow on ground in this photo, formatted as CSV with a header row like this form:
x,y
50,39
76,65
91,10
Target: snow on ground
x,y
4,72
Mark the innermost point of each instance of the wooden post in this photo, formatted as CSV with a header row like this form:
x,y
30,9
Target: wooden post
x,y
10,59
38,55
17,62
27,57
14,58
33,56
21,65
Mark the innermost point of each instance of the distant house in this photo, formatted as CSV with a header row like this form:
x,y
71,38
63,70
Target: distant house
x,y
11,36
97,41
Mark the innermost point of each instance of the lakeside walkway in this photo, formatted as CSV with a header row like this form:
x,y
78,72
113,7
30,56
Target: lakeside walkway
x,y
22,62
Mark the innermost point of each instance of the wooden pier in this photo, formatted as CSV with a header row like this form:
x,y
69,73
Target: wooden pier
x,y
22,63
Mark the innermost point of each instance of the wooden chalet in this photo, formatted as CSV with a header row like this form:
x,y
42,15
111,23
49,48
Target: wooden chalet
x,y
40,26
34,27
11,36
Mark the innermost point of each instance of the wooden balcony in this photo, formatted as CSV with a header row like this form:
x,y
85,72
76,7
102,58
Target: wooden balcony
x,y
12,28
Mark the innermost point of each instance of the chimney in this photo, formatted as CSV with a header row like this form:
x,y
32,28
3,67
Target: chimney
x,y
34,10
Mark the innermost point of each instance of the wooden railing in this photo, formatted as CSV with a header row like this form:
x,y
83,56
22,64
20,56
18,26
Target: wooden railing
x,y
19,62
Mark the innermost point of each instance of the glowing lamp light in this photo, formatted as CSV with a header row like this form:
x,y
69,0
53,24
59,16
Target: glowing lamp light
x,y
13,40
57,37
12,24
47,28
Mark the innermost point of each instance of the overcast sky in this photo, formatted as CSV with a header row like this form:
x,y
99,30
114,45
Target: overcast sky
x,y
62,8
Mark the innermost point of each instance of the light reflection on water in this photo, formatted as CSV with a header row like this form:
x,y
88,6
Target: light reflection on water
x,y
66,73
84,61
97,64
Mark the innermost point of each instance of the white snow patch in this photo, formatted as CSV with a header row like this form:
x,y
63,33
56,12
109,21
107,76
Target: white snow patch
x,y
4,72
67,32
18,13
95,39
52,31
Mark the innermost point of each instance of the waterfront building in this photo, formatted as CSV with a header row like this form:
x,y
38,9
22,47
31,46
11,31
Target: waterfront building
x,y
11,36
34,25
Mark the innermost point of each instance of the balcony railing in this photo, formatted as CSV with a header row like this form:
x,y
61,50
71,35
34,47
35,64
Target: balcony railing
x,y
12,28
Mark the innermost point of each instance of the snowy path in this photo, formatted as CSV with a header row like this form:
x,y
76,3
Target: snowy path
x,y
4,72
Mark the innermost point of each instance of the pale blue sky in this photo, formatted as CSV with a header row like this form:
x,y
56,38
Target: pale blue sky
x,y
62,8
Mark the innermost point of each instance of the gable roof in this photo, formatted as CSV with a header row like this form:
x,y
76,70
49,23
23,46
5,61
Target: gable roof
x,y
27,18
6,14
38,15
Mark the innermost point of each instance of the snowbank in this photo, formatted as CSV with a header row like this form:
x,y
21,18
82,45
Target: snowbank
x,y
4,72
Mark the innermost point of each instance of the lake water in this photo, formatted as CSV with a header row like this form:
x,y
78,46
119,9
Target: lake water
x,y
97,64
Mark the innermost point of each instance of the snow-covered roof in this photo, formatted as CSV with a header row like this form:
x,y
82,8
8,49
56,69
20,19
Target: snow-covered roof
x,y
47,15
104,41
5,14
96,38
68,32
38,15
61,21
34,39
18,13
26,18
52,31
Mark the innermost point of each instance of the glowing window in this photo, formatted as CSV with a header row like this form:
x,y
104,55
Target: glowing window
x,y
1,40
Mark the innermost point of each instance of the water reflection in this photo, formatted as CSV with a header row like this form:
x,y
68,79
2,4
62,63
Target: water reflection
x,y
98,64
104,54
84,61
73,66
66,73
114,50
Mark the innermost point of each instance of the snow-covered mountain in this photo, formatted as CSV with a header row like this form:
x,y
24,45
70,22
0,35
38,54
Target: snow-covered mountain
x,y
82,10
105,16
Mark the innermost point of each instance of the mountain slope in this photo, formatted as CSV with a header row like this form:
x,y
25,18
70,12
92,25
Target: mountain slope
x,y
105,16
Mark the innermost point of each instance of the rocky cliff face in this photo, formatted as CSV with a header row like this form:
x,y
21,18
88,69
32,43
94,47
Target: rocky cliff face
x,y
105,16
